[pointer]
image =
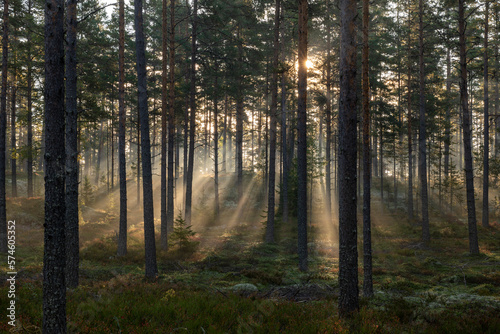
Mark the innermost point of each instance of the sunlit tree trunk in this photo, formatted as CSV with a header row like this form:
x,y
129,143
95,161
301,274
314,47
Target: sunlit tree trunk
x,y
348,253
164,106
469,172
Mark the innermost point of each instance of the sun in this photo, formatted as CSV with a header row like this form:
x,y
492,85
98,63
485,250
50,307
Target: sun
x,y
309,64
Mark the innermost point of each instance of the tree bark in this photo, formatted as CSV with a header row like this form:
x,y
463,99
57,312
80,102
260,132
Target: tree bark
x,y
164,107
447,129
239,121
29,79
147,184
13,160
367,238
171,123
348,253
192,122
302,137
122,235
486,154
72,233
216,141
54,259
3,126
422,148
284,146
469,172
410,132
272,133
328,112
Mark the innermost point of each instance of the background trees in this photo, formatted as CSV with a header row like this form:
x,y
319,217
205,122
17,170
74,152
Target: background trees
x,y
236,148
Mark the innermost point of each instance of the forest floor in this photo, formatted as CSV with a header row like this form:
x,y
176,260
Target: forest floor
x,y
234,283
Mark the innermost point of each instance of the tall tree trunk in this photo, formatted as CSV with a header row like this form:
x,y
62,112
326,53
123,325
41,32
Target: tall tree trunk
x,y
239,121
422,148
54,258
348,253
410,133
486,154
164,106
284,146
497,92
3,126
171,123
216,141
122,235
192,123
13,160
469,172
367,238
302,137
274,120
147,184
72,235
447,129
29,80
328,112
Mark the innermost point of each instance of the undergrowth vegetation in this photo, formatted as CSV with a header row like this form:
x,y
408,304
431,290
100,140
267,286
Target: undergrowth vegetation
x,y
225,280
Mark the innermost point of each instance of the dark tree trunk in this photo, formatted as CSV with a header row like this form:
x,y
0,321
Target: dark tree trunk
x,y
171,123
328,112
192,122
348,253
469,172
239,121
29,80
497,92
302,137
447,129
72,235
147,184
54,259
13,160
367,238
122,236
410,133
486,166
422,148
284,147
164,106
272,133
216,141
3,127
99,153
224,139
